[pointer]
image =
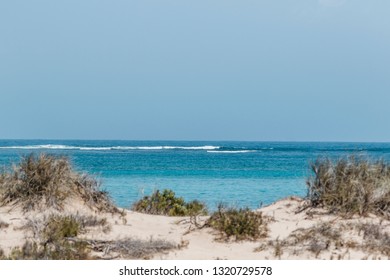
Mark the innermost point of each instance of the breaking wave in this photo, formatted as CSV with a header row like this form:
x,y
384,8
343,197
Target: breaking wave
x,y
232,152
65,147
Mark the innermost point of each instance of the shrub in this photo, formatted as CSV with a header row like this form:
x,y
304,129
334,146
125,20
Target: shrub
x,y
350,186
375,238
166,203
58,228
92,221
47,181
139,249
65,250
54,239
239,223
316,238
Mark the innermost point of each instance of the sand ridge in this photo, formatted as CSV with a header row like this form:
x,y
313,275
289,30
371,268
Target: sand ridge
x,y
293,234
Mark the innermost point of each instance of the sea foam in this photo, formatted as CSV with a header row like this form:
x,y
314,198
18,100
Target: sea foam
x,y
65,147
232,152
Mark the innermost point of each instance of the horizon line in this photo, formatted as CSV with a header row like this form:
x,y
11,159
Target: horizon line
x,y
180,140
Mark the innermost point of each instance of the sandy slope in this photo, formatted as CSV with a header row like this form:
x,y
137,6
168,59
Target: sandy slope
x,y
337,238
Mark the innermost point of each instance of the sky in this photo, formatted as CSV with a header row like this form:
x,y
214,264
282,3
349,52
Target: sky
x,y
265,70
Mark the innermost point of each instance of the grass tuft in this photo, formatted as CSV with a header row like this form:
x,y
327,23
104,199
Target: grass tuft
x,y
53,239
242,223
66,250
375,238
43,181
349,186
92,221
317,238
56,237
167,203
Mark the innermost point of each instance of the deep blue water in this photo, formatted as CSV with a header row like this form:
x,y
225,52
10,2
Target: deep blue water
x,y
238,173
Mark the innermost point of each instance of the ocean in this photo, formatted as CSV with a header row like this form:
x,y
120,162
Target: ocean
x,y
241,174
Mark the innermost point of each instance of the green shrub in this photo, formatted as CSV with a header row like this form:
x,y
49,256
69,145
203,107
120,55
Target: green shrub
x,y
58,228
55,238
195,207
239,223
47,181
166,203
62,250
350,186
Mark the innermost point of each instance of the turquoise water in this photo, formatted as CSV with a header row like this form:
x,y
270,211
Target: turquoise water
x,y
237,173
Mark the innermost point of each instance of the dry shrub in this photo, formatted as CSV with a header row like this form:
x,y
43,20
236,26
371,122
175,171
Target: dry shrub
x,y
53,239
92,221
324,236
132,248
375,239
3,224
351,186
55,227
329,237
242,223
65,250
47,181
317,238
277,245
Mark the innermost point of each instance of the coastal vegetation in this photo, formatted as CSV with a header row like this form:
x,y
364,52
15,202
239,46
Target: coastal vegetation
x,y
167,203
349,186
46,185
53,240
134,248
57,237
43,181
238,223
340,238
241,224
355,190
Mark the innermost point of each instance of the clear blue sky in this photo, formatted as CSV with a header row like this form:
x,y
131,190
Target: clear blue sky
x,y
302,70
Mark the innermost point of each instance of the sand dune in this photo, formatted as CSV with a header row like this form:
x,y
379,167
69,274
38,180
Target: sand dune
x,y
293,234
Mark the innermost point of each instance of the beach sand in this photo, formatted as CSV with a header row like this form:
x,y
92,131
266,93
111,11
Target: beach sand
x,y
293,234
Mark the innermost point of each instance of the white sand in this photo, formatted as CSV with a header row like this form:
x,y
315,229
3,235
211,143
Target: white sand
x,y
203,244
